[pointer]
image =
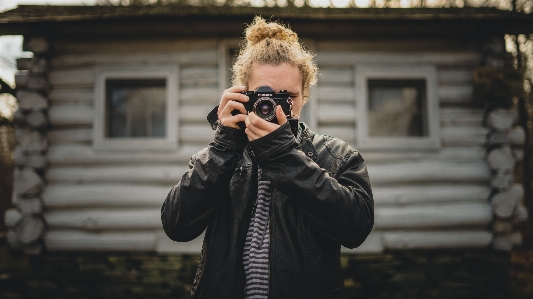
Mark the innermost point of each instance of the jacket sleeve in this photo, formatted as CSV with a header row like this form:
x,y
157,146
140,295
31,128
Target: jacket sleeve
x,y
191,204
342,207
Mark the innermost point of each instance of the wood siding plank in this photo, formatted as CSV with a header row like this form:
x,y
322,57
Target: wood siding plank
x,y
420,172
434,216
63,195
73,240
430,194
342,58
71,115
437,239
105,219
146,174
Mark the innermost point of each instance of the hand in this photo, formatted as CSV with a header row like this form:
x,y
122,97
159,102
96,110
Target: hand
x,y
257,127
231,100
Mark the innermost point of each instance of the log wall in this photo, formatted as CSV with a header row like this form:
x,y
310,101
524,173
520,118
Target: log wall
x,y
110,200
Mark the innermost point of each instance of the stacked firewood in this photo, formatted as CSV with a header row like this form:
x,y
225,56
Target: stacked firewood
x,y
505,148
25,223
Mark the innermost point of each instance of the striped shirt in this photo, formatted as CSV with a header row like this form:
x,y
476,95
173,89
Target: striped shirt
x,y
256,247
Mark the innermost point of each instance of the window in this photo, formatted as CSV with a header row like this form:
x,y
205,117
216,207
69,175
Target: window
x,y
136,108
397,107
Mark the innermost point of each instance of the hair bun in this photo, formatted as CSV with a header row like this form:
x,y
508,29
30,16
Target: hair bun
x,y
260,30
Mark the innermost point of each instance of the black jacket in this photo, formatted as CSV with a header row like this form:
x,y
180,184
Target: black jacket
x,y
321,199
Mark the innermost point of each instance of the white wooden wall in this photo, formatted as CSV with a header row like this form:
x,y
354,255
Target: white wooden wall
x,y
111,200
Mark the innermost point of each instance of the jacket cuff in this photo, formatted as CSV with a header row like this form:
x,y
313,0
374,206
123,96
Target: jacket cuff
x,y
274,144
230,137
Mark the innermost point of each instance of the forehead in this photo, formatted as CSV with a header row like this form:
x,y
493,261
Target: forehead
x,y
282,76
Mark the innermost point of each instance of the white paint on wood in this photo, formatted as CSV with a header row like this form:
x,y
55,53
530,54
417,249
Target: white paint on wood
x,y
330,113
450,116
80,154
430,194
429,171
437,239
342,58
335,93
200,95
463,135
372,244
449,153
335,76
202,57
455,94
71,115
455,75
71,135
147,174
346,133
119,47
195,113
103,195
199,76
447,215
72,78
83,96
105,219
74,240
196,134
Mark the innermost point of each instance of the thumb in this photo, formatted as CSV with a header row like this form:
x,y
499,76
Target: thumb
x,y
280,115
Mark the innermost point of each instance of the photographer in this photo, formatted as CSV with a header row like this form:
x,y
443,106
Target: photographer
x,y
276,203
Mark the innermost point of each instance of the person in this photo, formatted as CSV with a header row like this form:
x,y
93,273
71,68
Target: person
x,y
275,206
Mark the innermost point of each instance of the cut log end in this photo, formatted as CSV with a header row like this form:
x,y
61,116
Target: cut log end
x,y
30,230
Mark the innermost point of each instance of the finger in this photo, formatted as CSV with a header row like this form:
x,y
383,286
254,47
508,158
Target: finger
x,y
232,94
258,126
280,115
262,124
231,106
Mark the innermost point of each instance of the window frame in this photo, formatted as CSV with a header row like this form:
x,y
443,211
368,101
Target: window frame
x,y
396,72
169,74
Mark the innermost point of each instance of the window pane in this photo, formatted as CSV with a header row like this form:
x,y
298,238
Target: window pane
x,y
136,108
397,108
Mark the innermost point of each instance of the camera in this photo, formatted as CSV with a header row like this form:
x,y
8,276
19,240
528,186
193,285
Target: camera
x,y
263,103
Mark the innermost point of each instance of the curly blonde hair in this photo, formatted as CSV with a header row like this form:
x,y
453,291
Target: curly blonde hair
x,y
273,43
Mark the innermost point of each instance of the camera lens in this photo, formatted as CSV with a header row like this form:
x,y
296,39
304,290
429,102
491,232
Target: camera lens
x,y
265,108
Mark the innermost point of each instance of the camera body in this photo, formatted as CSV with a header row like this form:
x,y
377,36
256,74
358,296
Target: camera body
x,y
264,100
